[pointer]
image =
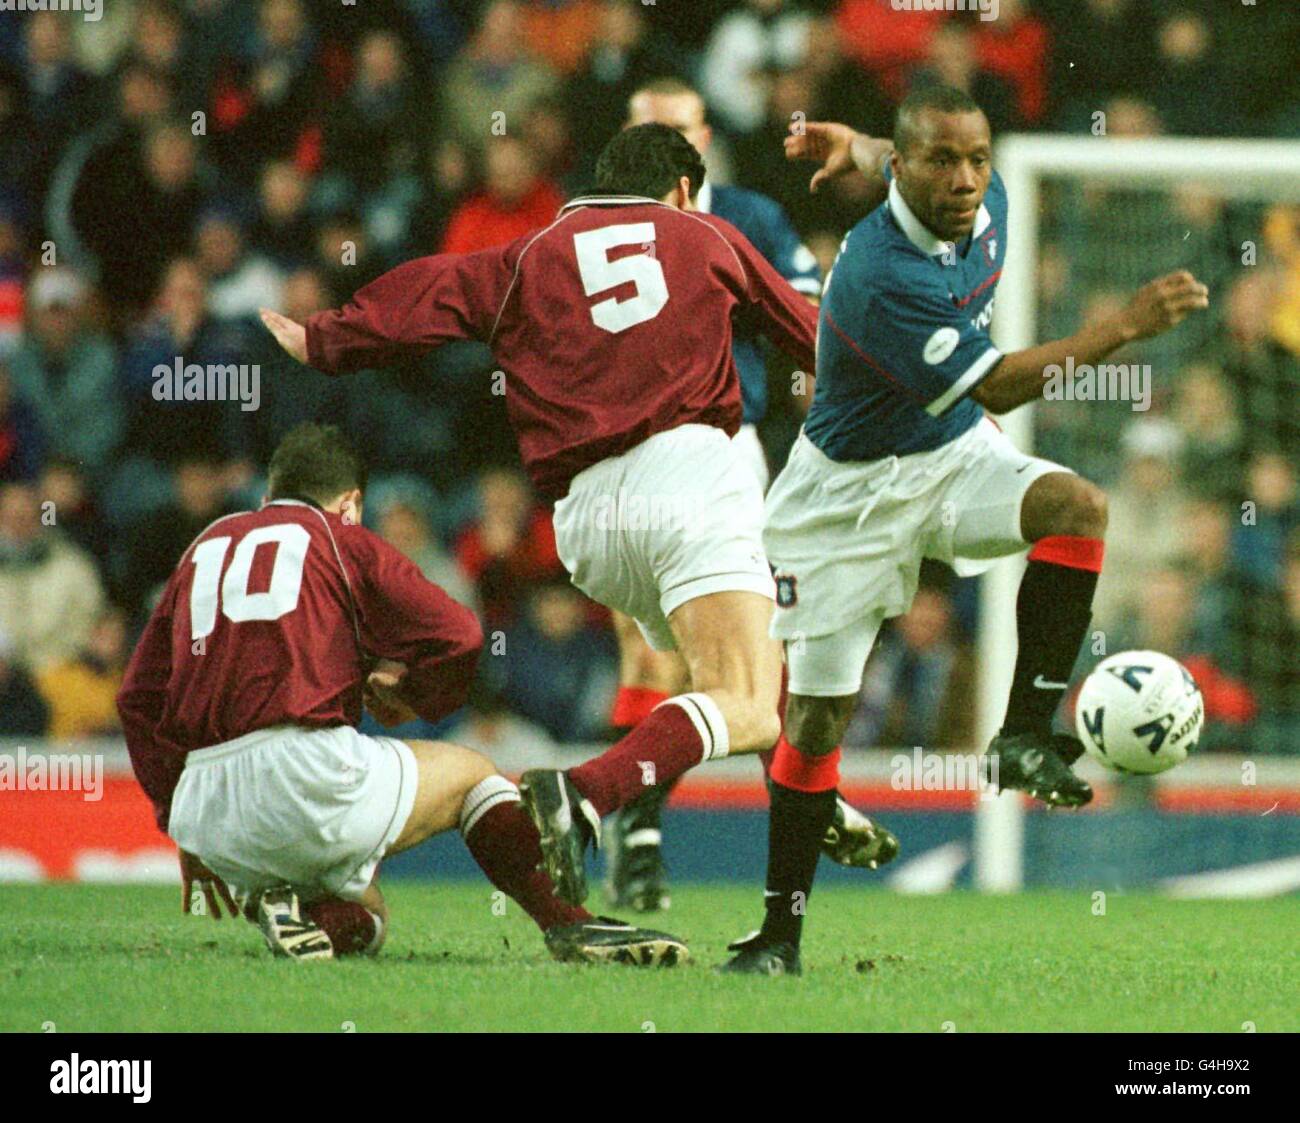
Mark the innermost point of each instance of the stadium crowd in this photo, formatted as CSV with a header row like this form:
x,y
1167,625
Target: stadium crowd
x,y
168,169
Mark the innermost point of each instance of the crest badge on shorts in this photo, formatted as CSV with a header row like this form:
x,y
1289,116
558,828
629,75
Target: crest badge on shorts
x,y
787,591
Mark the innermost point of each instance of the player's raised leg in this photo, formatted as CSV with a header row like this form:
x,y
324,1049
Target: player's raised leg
x,y
1064,516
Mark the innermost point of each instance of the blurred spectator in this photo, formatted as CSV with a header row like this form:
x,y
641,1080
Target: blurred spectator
x,y
239,280
134,221
1206,413
23,712
404,525
757,38
1281,232
1016,47
22,444
888,41
1277,680
67,372
626,53
952,59
56,90
378,129
510,546
13,273
918,684
180,329
516,199
1185,68
155,544
490,726
1269,515
559,672
495,79
50,591
291,392
561,32
267,103
1103,49
81,692
18,155
73,507
1144,533
343,254
283,231
1264,375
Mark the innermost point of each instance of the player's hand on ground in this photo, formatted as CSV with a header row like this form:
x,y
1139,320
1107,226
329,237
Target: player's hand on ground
x,y
825,143
289,334
1164,302
381,694
215,891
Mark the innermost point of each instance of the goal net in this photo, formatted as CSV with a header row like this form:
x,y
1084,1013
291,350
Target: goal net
x,y
1193,435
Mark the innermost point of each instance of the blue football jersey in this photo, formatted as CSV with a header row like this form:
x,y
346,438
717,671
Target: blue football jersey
x,y
904,332
767,226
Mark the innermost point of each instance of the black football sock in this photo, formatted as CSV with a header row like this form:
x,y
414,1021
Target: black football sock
x,y
1053,609
796,824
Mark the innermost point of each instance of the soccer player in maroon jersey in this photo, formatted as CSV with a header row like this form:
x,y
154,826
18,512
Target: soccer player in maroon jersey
x,y
240,705
614,328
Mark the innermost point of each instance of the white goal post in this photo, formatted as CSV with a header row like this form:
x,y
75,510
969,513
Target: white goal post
x,y
1263,169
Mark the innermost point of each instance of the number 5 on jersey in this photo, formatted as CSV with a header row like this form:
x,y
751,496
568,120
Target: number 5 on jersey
x,y
599,274
237,603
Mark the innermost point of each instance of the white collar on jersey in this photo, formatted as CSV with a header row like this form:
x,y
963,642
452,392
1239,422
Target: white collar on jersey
x,y
918,233
609,201
704,200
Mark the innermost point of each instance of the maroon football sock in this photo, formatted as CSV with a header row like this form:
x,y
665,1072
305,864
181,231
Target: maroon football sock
x,y
505,844
675,737
351,926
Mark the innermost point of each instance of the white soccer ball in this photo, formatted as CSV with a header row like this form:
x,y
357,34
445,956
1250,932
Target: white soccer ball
x,y
1139,711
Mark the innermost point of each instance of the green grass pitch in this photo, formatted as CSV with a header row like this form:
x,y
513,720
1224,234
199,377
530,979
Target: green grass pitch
x,y
123,958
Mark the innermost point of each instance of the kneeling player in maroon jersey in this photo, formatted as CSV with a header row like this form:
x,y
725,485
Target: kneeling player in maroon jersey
x,y
614,326
240,704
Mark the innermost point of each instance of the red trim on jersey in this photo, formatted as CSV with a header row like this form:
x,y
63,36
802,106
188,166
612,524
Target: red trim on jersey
x,y
632,704
869,360
802,771
1069,550
993,280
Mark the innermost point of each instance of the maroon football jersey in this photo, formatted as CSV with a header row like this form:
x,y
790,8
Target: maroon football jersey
x,y
612,324
273,617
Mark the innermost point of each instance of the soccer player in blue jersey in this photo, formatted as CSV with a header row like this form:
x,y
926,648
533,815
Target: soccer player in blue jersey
x,y
635,871
899,461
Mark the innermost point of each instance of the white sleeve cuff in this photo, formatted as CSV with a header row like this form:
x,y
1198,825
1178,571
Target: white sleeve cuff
x,y
965,384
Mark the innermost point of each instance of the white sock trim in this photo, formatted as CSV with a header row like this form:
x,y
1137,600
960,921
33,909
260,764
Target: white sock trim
x,y
373,947
482,797
708,721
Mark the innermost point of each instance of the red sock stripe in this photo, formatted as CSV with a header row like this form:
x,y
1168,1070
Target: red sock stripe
x,y
1071,551
632,704
802,771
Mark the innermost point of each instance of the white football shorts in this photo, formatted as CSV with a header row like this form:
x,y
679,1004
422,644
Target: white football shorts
x,y
846,541
315,809
677,517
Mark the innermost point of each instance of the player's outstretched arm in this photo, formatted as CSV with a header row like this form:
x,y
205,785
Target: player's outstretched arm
x,y
289,334
840,151
1155,308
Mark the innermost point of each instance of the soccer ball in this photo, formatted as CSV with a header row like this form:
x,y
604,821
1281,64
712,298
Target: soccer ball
x,y
1139,711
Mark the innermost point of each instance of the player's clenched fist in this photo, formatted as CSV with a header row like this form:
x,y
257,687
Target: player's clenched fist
x,y
289,334
1159,305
